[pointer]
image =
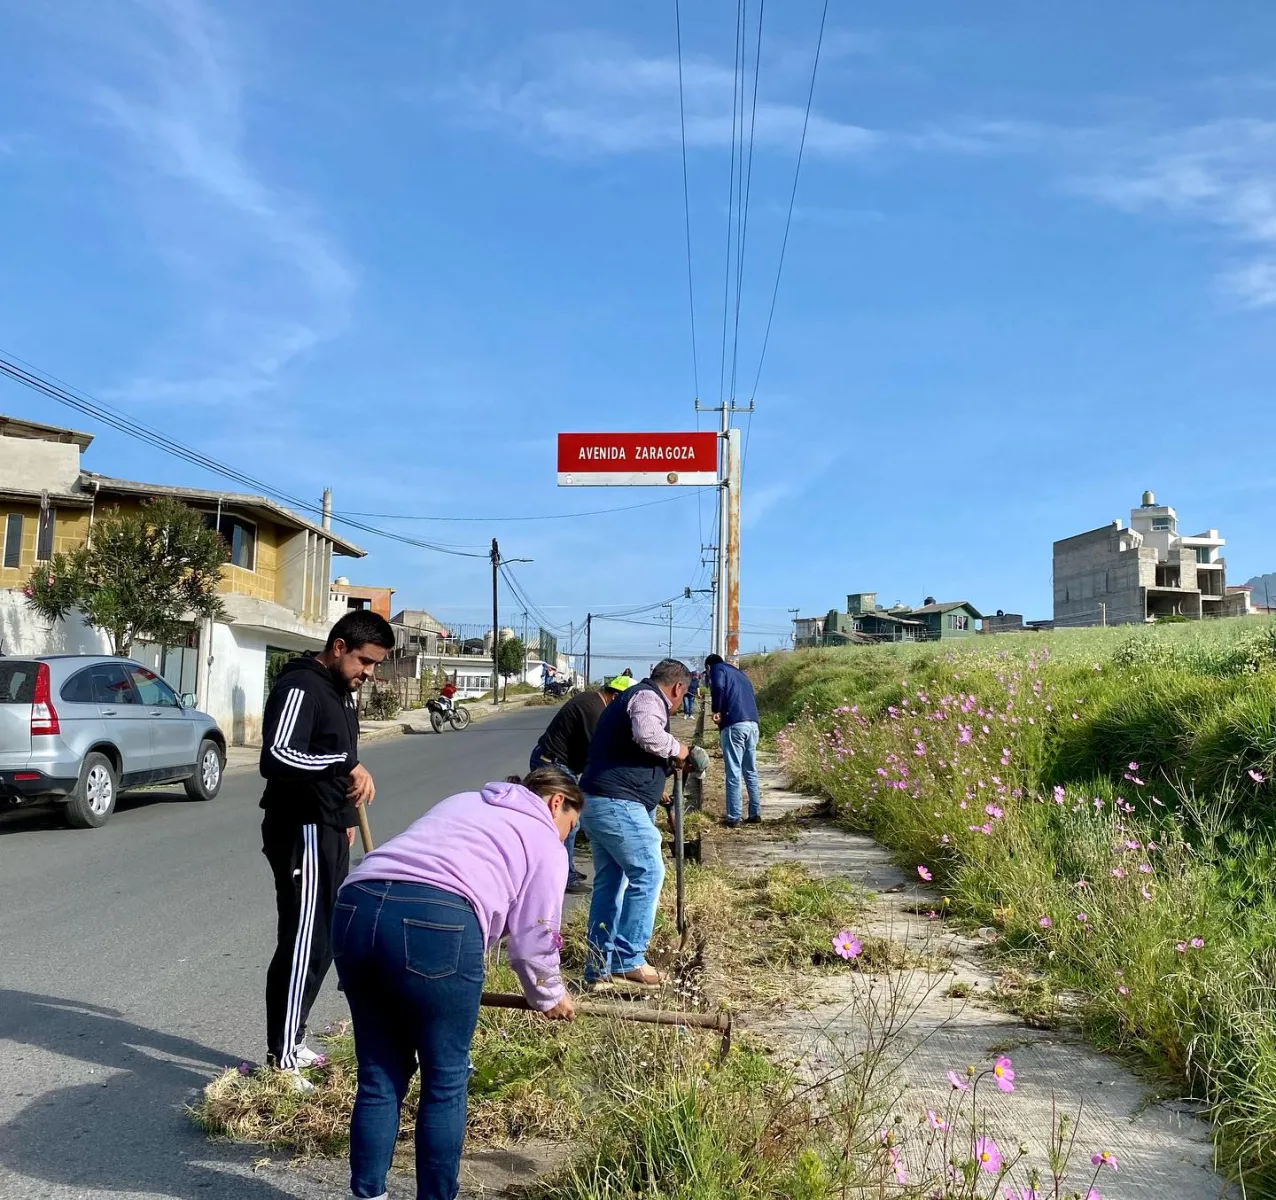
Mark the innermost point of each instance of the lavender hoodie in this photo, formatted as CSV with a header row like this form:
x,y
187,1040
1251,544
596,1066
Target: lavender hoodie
x,y
500,850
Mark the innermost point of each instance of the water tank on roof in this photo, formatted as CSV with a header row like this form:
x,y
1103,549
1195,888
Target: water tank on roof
x,y
1149,500
928,600
341,581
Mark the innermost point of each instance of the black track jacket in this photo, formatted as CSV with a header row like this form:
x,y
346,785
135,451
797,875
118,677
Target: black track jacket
x,y
310,744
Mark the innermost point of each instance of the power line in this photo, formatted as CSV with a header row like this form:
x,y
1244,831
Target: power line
x,y
788,221
594,512
85,404
736,123
686,199
742,214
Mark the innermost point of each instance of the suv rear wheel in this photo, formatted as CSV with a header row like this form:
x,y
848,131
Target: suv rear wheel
x,y
91,804
207,780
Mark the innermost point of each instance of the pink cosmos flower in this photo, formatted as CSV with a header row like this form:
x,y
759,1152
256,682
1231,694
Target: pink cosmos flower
x,y
932,915
1092,1194
959,1084
993,811
1059,794
1123,990
1197,943
1134,766
924,873
1105,1159
1045,922
936,1122
897,1164
1145,868
1181,947
1026,1194
987,1155
1143,891
847,945
1257,776
1003,1074
1082,918
1117,873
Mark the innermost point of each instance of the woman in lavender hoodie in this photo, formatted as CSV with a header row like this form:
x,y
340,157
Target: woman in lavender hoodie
x,y
410,928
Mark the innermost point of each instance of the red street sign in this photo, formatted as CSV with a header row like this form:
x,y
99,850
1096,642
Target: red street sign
x,y
637,459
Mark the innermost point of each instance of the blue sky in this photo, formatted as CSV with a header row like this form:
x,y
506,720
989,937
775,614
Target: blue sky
x,y
1032,271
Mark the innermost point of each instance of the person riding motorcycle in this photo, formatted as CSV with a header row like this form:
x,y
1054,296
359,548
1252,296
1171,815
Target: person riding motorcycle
x,y
446,692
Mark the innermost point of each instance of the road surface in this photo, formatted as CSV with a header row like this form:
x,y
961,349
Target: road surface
x,y
132,961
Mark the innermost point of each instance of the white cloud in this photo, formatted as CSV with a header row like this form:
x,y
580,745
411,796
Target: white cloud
x,y
588,94
1221,172
259,284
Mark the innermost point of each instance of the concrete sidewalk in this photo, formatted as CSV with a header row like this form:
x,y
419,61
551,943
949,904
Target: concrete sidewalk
x,y
1163,1149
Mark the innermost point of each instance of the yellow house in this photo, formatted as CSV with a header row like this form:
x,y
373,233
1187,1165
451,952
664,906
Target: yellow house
x,y
275,585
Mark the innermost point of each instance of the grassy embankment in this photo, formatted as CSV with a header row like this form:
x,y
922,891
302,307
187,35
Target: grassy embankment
x,y
1103,798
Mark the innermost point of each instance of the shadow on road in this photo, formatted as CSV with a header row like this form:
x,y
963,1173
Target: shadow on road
x,y
41,817
127,1133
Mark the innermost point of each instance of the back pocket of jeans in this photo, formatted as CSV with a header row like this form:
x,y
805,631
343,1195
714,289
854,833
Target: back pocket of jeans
x,y
432,951
342,918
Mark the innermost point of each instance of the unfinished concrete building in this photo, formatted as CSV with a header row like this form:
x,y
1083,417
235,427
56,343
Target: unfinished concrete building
x,y
1122,575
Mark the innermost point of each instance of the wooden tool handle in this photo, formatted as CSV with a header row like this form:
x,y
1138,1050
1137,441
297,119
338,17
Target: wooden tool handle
x,y
365,830
720,1022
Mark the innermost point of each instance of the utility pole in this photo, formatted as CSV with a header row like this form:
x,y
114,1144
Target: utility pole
x,y
589,633
496,628
793,612
670,608
726,628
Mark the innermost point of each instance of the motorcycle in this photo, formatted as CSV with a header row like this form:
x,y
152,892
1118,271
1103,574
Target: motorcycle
x,y
440,714
559,688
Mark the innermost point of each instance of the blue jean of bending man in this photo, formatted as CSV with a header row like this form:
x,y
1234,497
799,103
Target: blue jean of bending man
x,y
740,758
628,872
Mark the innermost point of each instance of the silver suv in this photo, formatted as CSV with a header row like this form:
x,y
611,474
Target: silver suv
x,y
77,728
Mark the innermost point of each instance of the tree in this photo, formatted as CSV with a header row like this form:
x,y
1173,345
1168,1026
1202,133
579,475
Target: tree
x,y
142,575
511,660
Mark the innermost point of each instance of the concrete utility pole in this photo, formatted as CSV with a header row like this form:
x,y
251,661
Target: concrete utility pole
x,y
589,634
670,608
726,625
793,612
496,628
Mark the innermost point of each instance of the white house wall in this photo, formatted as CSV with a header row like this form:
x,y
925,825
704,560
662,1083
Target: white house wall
x,y
22,632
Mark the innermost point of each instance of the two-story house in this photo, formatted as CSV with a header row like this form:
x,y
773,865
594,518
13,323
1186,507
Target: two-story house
x,y
275,584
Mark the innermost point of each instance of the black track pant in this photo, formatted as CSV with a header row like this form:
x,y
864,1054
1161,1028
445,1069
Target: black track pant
x,y
309,862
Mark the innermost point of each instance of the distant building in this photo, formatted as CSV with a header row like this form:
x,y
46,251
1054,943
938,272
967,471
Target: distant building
x,y
351,597
808,631
1003,622
1120,575
867,622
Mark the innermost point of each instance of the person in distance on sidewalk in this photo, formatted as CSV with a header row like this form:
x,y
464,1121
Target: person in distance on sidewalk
x,y
411,927
309,759
565,744
623,783
735,713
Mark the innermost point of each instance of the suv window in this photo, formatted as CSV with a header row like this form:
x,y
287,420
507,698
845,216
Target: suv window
x,y
153,690
17,681
103,683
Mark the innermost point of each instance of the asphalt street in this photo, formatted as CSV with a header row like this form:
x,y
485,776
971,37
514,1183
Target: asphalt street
x,y
132,966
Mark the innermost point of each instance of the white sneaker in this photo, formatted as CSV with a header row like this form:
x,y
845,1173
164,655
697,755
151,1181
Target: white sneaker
x,y
305,1057
297,1081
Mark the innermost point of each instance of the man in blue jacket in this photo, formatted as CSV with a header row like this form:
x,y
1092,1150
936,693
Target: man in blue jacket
x,y
735,713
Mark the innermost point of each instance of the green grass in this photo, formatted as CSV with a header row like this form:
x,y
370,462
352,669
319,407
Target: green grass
x,y
882,732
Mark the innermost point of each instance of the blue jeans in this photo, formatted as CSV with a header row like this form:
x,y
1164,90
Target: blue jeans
x,y
628,872
410,959
739,756
536,761
688,704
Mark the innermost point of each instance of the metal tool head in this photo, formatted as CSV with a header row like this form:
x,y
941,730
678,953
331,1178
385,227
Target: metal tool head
x,y
698,761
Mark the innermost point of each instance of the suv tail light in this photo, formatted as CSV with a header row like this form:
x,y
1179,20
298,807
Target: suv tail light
x,y
44,717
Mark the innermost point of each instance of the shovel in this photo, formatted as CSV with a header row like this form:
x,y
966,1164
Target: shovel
x,y
719,1022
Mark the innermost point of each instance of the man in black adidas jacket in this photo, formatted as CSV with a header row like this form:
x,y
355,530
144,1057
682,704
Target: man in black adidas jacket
x,y
309,759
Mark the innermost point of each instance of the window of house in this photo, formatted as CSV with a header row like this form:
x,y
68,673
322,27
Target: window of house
x,y
958,621
1161,523
44,535
13,540
1202,554
239,535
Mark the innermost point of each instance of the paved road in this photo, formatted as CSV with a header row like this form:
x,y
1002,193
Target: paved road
x,y
132,961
